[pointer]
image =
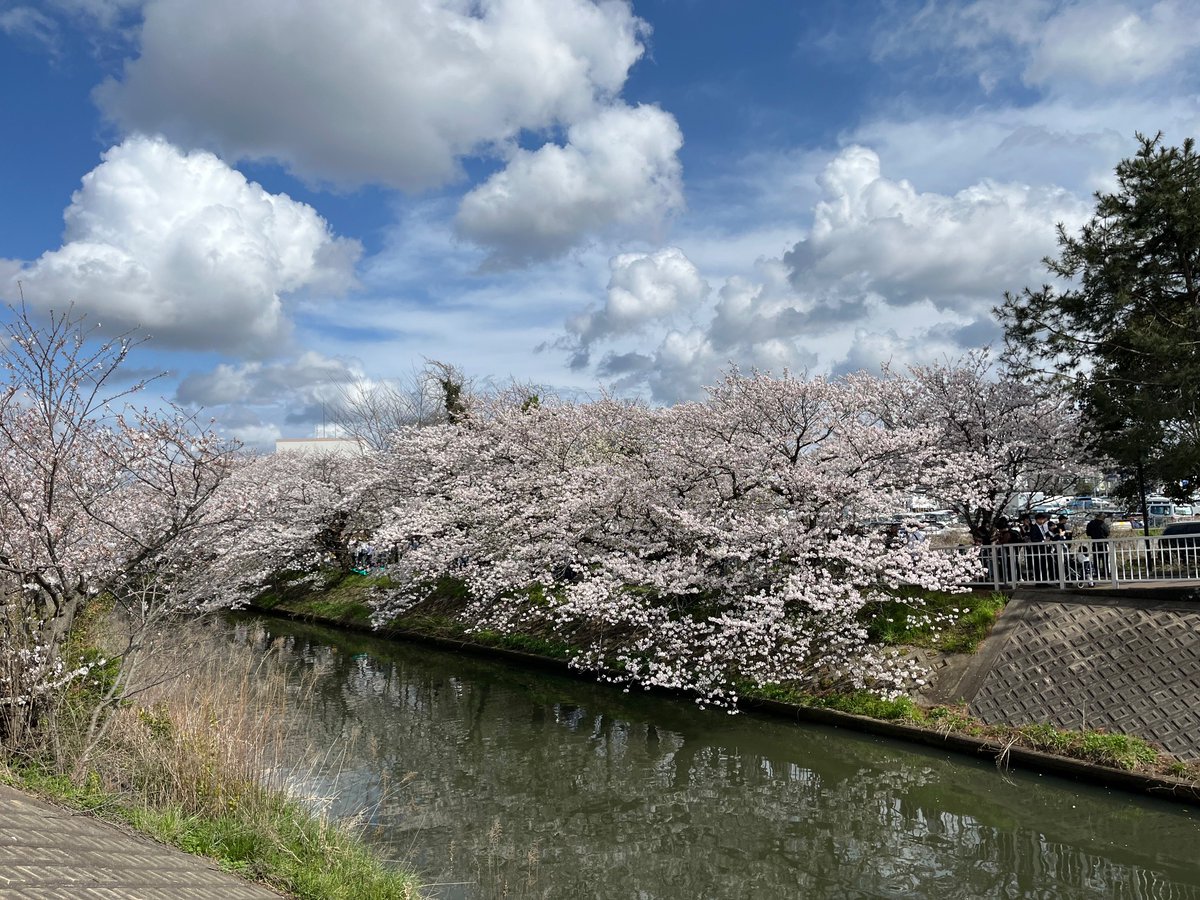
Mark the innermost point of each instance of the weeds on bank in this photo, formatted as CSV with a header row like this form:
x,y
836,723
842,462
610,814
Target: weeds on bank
x,y
1117,751
343,599
1121,751
951,623
329,594
195,762
859,703
448,628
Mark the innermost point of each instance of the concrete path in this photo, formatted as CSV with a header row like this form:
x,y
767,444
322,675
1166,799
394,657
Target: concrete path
x,y
1128,664
47,853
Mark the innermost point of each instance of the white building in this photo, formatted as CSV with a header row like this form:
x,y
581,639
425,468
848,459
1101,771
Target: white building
x,y
334,446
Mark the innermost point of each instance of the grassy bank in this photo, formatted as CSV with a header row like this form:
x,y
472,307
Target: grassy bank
x,y
942,623
342,599
933,620
197,761
1117,751
948,623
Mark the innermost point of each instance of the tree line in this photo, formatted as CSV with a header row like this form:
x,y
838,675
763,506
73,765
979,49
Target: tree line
x,y
702,546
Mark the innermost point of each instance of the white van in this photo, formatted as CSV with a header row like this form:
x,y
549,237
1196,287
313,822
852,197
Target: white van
x,y
1159,507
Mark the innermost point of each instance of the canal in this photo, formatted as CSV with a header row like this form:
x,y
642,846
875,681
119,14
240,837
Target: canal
x,y
495,781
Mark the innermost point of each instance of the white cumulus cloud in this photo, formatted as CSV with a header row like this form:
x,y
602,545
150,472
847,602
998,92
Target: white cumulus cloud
x,y
393,92
686,361
618,168
873,235
884,271
185,248
644,288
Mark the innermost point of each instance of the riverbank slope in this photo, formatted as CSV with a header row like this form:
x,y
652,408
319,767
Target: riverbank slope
x,y
1127,664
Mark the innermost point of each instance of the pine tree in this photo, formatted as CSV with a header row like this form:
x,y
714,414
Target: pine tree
x,y
1124,336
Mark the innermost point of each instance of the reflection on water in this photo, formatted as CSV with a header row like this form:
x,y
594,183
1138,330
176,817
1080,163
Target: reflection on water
x,y
494,781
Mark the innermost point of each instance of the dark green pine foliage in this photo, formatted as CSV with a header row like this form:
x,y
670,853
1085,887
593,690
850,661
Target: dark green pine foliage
x,y
1125,335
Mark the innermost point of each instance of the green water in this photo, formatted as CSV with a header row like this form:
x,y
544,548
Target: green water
x,y
494,781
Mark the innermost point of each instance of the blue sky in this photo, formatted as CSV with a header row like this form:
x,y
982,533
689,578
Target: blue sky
x,y
296,200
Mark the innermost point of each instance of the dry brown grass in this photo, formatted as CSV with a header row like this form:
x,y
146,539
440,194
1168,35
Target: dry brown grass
x,y
204,755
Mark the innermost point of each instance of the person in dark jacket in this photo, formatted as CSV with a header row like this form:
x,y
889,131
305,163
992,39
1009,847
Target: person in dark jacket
x,y
1003,558
1024,527
1098,530
1064,528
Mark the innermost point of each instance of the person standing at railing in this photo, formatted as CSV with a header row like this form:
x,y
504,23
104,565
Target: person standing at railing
x,y
1044,565
1024,527
1020,529
1065,532
1003,558
1098,531
914,534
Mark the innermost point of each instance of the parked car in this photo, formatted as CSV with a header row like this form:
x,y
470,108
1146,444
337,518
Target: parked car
x,y
1183,528
1181,534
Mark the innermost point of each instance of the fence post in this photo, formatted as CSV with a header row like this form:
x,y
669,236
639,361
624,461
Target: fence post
x,y
1061,563
1111,550
996,562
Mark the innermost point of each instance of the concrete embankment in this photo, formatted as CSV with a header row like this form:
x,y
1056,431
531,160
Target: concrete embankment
x,y
1127,663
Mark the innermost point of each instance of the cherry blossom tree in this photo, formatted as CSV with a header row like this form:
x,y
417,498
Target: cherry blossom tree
x,y
102,507
1010,437
695,547
304,510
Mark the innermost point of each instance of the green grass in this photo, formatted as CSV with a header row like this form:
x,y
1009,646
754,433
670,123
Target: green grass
x,y
339,610
950,623
523,643
953,720
343,599
1118,751
859,703
334,596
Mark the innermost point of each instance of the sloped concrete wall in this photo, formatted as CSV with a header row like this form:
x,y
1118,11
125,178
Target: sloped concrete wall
x,y
1126,664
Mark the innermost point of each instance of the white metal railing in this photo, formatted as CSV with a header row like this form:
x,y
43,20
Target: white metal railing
x,y
1115,561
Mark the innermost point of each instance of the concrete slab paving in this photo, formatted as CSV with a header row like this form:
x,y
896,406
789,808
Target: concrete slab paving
x,y
48,852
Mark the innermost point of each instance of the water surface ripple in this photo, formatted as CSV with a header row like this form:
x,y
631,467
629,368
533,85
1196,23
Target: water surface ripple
x,y
494,781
